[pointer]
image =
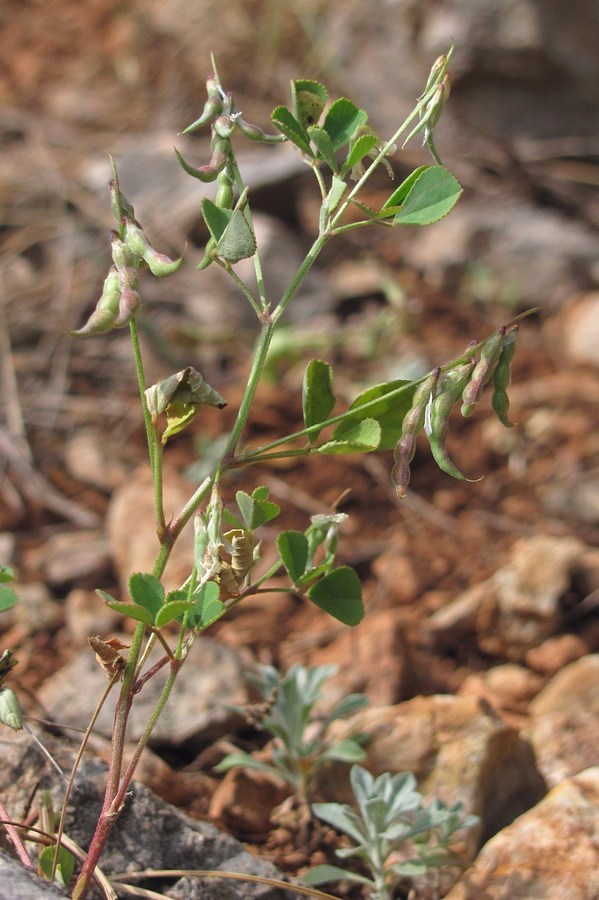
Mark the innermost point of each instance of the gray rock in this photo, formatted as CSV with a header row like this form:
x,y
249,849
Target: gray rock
x,y
212,678
19,883
148,834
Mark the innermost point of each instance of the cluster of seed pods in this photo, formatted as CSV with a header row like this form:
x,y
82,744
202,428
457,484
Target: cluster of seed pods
x,y
131,251
437,395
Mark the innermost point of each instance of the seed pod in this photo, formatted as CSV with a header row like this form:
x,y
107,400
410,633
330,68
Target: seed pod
x,y
107,308
121,254
224,126
242,555
451,389
118,202
229,586
136,240
212,107
412,424
502,378
482,372
224,194
256,134
129,306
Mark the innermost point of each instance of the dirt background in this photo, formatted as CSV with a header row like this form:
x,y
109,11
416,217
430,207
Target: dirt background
x,y
81,80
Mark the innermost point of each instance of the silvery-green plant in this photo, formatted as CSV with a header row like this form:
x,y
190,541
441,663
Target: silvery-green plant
x,y
299,745
391,822
339,147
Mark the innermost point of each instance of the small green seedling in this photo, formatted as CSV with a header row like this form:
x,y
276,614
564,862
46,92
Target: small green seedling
x,y
391,822
299,745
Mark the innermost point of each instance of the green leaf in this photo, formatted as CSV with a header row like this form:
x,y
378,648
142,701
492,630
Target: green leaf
x,y
324,145
256,510
288,125
344,751
8,598
362,437
293,549
388,412
216,219
147,591
6,574
10,709
432,196
343,120
245,761
339,593
399,194
139,613
338,189
171,611
65,865
324,873
238,240
309,99
358,150
208,607
318,398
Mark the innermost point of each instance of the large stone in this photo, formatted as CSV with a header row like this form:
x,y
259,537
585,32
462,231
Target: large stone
x,y
524,605
198,710
565,721
149,833
19,883
551,851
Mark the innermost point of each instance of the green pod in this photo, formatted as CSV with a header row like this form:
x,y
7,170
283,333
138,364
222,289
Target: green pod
x,y
256,134
482,372
224,126
224,194
159,264
441,407
502,378
212,107
122,256
413,421
103,317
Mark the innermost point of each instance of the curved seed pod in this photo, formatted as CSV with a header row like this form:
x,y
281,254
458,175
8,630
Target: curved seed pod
x,y
129,306
212,107
502,378
103,317
256,134
451,390
159,264
242,555
122,255
482,372
413,421
229,586
224,126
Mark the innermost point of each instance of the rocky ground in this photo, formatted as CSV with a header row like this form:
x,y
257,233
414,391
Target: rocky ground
x,y
479,649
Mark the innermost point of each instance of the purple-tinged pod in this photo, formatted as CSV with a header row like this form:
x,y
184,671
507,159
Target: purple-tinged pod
x,y
452,386
482,372
159,264
107,308
129,306
502,378
212,107
256,134
224,126
413,421
122,255
118,202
